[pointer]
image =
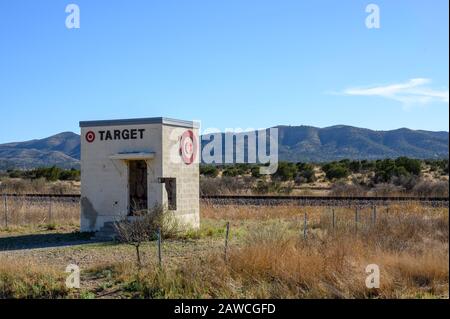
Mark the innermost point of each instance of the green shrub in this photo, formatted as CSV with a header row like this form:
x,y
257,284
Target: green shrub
x,y
386,170
305,173
255,171
286,171
69,175
265,187
209,170
335,170
51,174
230,172
412,166
355,166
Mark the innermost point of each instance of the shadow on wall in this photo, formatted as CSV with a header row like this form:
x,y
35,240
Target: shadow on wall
x,y
88,212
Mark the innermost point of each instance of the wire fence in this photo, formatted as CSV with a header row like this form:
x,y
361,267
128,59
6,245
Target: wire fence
x,y
39,209
20,211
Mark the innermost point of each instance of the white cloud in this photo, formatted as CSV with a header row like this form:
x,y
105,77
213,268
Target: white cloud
x,y
414,91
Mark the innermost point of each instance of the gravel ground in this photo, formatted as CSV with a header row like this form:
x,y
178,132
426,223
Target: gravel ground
x,y
62,249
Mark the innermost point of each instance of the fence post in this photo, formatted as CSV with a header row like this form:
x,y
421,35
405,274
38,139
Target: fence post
x,y
5,199
50,212
305,225
374,217
159,247
334,223
227,234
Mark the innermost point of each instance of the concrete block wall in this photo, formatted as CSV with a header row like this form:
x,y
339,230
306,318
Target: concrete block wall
x,y
104,181
187,175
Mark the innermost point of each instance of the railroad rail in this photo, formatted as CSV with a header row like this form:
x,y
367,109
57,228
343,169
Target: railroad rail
x,y
321,200
269,200
42,195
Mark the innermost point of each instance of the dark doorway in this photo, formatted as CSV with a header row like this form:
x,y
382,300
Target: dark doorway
x,y
137,185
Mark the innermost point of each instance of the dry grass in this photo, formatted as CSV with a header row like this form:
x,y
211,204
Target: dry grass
x,y
38,186
30,280
33,212
269,258
272,260
277,267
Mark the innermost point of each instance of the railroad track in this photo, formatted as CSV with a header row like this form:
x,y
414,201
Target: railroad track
x,y
275,200
322,200
42,197
76,196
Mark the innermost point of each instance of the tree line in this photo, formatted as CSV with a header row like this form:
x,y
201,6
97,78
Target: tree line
x,y
383,170
50,174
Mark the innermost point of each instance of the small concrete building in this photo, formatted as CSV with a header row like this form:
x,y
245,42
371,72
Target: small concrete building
x,y
136,164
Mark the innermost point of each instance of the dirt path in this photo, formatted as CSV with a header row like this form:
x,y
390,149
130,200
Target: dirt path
x,y
87,253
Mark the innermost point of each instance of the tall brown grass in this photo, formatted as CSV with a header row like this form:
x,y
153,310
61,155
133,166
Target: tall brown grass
x,y
38,186
23,212
273,260
30,280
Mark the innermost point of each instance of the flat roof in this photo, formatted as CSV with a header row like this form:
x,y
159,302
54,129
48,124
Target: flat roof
x,y
149,120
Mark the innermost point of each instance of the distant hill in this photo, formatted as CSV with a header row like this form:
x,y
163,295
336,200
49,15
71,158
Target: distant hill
x,y
296,143
306,143
62,150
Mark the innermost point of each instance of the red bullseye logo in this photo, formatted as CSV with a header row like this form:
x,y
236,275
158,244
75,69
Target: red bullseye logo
x,y
188,147
90,137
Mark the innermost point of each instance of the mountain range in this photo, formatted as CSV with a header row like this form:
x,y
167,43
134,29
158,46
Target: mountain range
x,y
296,143
62,150
306,143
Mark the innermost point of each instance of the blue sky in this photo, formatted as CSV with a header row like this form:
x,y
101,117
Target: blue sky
x,y
229,63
